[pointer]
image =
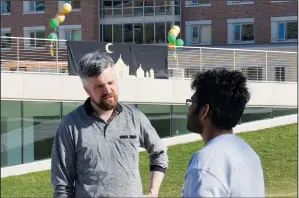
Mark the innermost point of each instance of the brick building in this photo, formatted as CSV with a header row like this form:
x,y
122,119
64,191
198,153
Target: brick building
x,y
31,19
110,21
203,22
223,22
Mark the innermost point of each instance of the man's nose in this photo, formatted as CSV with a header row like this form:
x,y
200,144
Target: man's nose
x,y
107,89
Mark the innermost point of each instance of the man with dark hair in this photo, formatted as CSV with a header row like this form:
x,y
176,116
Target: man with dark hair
x,y
226,166
95,150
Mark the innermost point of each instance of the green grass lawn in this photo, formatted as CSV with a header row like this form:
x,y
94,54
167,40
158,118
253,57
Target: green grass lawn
x,y
277,148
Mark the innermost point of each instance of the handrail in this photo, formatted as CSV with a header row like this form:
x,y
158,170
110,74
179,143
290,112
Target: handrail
x,y
34,55
27,38
234,49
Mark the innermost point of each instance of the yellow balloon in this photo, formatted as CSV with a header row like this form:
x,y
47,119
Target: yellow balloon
x,y
173,31
177,28
66,8
171,46
60,17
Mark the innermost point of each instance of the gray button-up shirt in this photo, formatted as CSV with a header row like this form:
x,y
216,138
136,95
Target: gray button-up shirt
x,y
92,158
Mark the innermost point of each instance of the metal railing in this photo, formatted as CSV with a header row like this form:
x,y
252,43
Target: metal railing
x,y
20,54
257,65
32,55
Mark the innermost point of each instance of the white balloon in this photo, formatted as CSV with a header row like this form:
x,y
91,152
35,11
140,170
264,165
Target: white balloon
x,y
107,48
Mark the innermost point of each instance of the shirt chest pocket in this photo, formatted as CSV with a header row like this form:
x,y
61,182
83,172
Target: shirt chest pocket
x,y
128,142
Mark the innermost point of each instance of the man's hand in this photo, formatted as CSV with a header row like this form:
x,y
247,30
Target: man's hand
x,y
155,181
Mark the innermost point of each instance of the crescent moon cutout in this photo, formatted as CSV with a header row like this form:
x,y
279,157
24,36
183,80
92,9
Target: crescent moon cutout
x,y
107,48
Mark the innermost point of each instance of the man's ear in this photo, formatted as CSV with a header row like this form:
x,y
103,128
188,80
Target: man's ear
x,y
204,111
87,90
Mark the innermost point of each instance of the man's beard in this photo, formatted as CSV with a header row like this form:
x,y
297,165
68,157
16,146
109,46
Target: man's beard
x,y
105,104
194,125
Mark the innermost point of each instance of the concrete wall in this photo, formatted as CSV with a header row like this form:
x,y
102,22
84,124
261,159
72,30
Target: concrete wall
x,y
69,88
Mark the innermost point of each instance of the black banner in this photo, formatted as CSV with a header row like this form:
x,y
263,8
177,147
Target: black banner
x,y
148,56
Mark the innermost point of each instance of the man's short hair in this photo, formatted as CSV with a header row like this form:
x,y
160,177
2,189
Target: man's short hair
x,y
226,93
93,64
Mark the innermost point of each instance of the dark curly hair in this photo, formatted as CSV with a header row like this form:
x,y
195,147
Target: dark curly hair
x,y
226,93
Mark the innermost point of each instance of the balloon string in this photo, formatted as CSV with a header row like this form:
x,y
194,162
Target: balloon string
x,y
51,45
52,41
176,57
177,60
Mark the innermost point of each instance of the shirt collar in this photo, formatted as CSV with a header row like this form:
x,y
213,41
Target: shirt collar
x,y
89,109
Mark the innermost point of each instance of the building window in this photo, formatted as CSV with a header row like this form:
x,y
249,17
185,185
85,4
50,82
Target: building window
x,y
70,32
40,119
149,8
72,35
240,31
280,74
36,35
117,9
197,3
128,33
160,8
232,2
149,33
160,32
243,33
287,30
5,42
159,116
121,9
75,4
36,6
189,73
5,7
118,33
253,73
138,8
177,7
107,33
284,29
195,34
201,34
139,33
11,133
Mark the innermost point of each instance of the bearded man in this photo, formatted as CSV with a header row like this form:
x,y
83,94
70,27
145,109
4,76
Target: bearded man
x,y
95,150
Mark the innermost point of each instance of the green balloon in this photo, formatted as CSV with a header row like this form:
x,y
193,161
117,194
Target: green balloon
x,y
179,42
171,38
52,36
53,23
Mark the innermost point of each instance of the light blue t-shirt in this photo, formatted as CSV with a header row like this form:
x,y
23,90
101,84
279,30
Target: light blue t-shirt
x,y
225,167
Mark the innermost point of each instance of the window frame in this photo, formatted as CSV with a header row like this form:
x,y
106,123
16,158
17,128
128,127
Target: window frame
x,y
241,32
60,3
71,32
259,72
280,74
35,3
9,40
8,7
198,41
193,3
233,2
34,39
285,31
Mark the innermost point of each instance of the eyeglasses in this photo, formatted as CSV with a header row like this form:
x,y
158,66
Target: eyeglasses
x,y
188,102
